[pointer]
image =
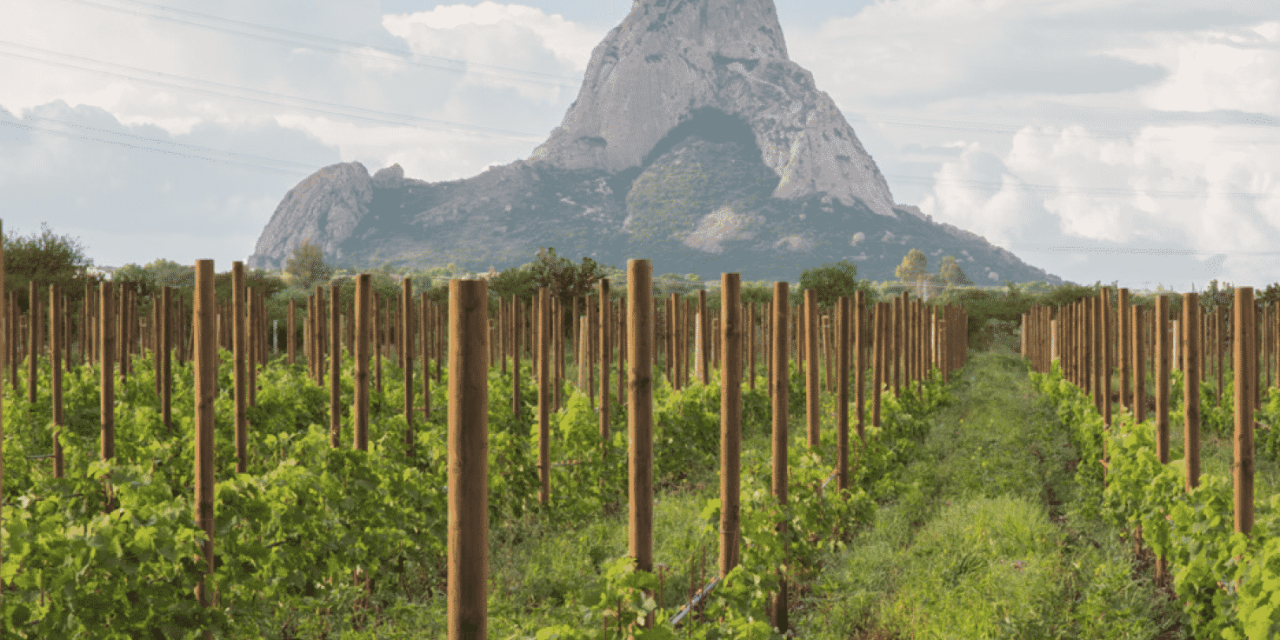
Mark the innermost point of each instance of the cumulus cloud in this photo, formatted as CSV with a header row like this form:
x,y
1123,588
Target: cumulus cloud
x,y
445,93
1100,141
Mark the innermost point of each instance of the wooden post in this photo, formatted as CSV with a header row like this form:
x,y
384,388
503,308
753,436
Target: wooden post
x,y
860,364
424,312
1138,359
335,366
704,341
468,460
640,415
604,348
364,318
106,380
544,393
206,379
1161,361
292,324
515,355
1107,354
730,418
1191,388
376,312
812,390
33,340
1242,451
878,362
166,365
55,358
251,351
406,359
842,393
751,345
778,610
240,346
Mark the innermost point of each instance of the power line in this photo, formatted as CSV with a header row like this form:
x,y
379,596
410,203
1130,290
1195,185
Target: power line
x,y
271,98
1021,129
335,46
65,134
285,164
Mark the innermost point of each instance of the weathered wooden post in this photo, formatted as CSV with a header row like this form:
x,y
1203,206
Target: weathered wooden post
x,y
1191,388
640,415
238,365
878,364
206,378
604,348
1162,402
778,610
55,378
730,418
517,324
812,390
842,394
106,380
335,366
1138,359
406,359
364,318
424,313
166,364
544,393
468,460
33,340
860,363
1107,354
1242,348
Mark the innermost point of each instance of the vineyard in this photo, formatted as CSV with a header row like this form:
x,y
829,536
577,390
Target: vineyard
x,y
472,467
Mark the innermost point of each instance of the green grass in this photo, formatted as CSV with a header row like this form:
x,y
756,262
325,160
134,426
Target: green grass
x,y
984,539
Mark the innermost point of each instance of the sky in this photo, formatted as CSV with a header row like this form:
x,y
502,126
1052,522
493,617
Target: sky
x,y
1128,141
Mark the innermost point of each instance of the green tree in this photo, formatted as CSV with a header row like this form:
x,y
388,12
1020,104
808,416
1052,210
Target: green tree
x,y
832,280
136,278
307,266
167,273
516,281
951,274
47,258
564,278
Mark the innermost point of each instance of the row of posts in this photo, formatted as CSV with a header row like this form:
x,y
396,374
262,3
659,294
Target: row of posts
x,y
1090,340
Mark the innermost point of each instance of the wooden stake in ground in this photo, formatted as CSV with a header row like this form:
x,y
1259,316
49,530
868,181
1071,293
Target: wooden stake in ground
x,y
468,459
335,367
1242,348
166,365
544,394
640,415
241,377
206,372
604,348
1107,355
878,363
364,317
778,605
1191,388
291,323
1162,403
406,359
424,310
1138,359
860,364
842,394
106,381
34,342
515,355
704,339
55,357
812,390
730,418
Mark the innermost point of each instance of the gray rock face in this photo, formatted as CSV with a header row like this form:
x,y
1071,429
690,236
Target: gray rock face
x,y
670,58
694,143
323,209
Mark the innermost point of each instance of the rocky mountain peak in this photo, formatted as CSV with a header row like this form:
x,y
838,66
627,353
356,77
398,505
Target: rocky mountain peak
x,y
671,59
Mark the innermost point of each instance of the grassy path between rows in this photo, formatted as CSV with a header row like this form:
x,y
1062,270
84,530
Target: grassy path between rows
x,y
979,537
985,540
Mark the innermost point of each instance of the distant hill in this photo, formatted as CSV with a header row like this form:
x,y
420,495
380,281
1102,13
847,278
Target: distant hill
x,y
694,142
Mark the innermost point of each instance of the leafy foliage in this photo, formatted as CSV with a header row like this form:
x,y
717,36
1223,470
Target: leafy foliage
x,y
46,258
308,266
833,280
